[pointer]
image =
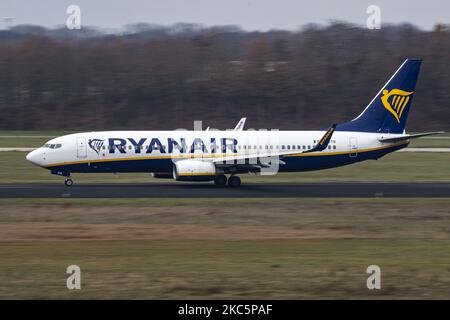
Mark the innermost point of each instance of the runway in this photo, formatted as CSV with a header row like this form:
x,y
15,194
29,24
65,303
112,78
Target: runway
x,y
206,190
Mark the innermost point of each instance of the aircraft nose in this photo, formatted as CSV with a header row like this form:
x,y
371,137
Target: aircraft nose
x,y
34,157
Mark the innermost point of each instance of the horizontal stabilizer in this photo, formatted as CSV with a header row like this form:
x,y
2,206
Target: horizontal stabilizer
x,y
409,136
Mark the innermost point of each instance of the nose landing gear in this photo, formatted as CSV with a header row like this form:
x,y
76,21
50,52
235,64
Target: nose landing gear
x,y
68,182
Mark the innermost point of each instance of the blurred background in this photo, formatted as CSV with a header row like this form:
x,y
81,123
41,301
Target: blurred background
x,y
277,66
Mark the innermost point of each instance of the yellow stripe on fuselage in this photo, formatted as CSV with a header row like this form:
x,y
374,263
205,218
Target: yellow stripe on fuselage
x,y
225,156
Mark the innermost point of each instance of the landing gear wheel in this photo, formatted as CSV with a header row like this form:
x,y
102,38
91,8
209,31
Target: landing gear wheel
x,y
68,182
234,181
220,180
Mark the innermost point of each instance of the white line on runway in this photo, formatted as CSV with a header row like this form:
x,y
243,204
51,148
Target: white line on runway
x,y
16,149
437,138
26,137
425,150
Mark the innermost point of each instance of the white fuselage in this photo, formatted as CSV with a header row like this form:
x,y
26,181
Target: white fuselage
x,y
137,151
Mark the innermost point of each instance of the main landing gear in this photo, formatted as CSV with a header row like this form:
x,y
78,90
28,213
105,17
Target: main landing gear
x,y
220,180
233,181
68,182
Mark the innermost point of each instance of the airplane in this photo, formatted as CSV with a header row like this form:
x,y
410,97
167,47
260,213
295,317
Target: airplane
x,y
212,155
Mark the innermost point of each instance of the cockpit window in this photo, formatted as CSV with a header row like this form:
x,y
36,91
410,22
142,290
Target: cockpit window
x,y
52,145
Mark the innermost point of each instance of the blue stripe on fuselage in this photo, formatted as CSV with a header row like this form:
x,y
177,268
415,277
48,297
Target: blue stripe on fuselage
x,y
292,163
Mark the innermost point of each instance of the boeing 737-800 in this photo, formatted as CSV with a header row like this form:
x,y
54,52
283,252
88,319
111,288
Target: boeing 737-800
x,y
211,155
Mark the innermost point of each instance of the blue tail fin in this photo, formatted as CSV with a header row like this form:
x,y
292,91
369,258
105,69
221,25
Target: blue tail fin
x,y
388,111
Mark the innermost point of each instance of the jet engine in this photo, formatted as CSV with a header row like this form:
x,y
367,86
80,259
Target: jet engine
x,y
194,170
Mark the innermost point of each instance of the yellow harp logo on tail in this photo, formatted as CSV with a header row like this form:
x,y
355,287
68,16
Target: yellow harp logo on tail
x,y
395,101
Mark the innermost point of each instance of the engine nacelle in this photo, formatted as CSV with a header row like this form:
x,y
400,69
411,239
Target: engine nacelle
x,y
194,170
162,175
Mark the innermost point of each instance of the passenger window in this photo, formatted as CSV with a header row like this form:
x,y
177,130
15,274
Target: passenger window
x,y
289,147
334,147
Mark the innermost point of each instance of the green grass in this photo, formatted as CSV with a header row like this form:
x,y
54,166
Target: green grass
x,y
393,167
274,248
27,142
368,218
288,269
53,133
31,139
430,143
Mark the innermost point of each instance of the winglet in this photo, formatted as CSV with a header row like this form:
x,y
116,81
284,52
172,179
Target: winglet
x,y
323,143
240,125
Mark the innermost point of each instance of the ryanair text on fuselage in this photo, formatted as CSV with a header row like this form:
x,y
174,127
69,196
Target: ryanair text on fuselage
x,y
147,145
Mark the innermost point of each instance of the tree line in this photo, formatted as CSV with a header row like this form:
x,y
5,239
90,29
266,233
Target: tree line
x,y
149,77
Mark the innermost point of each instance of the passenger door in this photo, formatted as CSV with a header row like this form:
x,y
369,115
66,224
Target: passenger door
x,y
81,147
353,144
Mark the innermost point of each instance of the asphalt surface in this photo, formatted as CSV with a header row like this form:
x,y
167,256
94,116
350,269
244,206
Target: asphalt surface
x,y
209,190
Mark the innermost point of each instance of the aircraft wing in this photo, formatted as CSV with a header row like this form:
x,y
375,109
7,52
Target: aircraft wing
x,y
266,157
258,158
409,136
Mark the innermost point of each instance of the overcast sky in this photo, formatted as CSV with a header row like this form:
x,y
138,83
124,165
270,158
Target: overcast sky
x,y
248,14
